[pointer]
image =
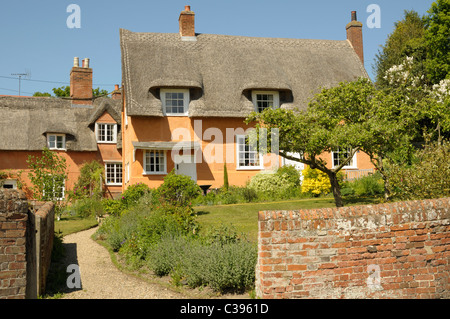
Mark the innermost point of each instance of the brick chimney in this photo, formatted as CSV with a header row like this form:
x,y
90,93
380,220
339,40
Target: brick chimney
x,y
354,35
187,23
117,94
81,82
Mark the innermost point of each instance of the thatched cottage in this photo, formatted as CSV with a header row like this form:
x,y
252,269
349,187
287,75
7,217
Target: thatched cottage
x,y
186,96
80,128
182,106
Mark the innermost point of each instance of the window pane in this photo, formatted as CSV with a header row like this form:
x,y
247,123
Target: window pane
x,y
174,102
51,141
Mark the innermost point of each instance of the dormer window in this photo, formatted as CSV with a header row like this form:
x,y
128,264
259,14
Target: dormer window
x,y
175,102
265,99
56,141
106,132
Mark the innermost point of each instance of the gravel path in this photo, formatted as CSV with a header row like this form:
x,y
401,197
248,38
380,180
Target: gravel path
x,y
100,279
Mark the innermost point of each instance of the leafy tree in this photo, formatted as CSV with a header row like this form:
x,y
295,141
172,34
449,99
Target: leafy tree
x,y
42,94
437,40
334,119
407,39
47,174
427,177
225,177
90,181
178,190
64,91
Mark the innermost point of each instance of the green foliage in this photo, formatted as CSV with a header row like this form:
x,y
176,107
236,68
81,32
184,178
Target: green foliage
x,y
371,185
428,176
178,190
437,41
89,183
228,266
45,94
86,207
290,173
64,91
405,40
97,92
112,206
133,194
225,177
272,184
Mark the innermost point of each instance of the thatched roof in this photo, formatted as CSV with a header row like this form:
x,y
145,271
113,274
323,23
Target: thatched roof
x,y
221,70
25,121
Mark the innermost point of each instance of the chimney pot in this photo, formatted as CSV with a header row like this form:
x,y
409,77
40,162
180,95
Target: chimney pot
x,y
116,87
85,63
76,62
354,16
187,8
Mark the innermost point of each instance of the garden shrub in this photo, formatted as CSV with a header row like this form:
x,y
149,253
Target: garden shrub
x,y
315,182
428,176
368,185
112,206
89,183
272,185
222,266
85,207
178,190
133,194
290,173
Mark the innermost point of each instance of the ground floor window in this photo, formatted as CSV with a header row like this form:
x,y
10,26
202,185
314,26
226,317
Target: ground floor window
x,y
155,162
113,172
247,154
339,155
54,188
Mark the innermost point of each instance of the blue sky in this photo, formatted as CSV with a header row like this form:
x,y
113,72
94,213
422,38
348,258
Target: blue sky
x,y
35,37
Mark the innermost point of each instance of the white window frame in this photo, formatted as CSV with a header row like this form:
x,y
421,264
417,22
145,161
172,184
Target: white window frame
x,y
239,139
63,136
148,172
63,190
353,163
101,139
186,99
276,98
115,178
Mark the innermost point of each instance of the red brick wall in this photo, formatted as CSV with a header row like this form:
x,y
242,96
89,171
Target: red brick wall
x,y
396,250
13,225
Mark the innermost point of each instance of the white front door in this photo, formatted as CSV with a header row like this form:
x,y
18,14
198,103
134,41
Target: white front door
x,y
185,165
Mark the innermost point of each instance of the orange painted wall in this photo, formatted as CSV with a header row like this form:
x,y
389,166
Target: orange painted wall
x,y
221,146
362,160
15,162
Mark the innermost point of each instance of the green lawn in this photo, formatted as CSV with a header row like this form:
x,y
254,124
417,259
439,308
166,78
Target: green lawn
x,y
244,217
72,224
